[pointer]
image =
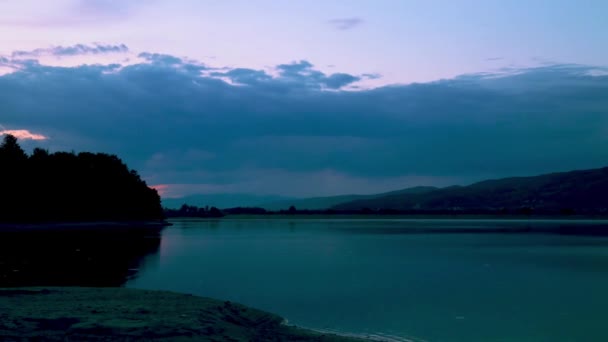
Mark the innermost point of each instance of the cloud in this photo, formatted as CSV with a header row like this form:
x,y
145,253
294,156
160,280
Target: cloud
x,y
245,76
324,182
296,131
295,75
160,58
346,23
339,80
302,72
74,50
23,134
176,63
162,189
371,76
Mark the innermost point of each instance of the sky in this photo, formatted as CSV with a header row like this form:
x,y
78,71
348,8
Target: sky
x,y
310,98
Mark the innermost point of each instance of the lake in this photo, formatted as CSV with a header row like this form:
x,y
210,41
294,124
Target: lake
x,y
422,280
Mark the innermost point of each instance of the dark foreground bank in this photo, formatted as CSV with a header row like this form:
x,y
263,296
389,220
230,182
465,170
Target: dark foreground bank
x,y
111,314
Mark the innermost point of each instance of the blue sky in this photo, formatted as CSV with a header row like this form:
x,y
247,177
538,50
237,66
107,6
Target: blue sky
x,y
310,98
403,40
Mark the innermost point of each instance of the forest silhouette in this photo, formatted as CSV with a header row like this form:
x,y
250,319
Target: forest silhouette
x,y
70,187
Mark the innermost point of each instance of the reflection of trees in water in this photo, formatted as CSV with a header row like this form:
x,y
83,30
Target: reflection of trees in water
x,y
93,258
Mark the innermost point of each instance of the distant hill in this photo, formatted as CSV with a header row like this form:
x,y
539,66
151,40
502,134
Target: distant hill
x,y
320,203
584,191
221,201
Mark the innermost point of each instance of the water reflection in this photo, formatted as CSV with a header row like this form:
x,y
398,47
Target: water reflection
x,y
93,257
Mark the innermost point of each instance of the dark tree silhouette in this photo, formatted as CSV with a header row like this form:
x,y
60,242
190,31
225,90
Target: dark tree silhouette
x,y
65,186
10,150
193,211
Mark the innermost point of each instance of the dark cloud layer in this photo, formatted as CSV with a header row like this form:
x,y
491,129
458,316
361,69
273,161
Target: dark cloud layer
x,y
298,132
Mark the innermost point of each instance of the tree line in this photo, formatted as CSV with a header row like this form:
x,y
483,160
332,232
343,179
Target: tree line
x,y
64,186
193,211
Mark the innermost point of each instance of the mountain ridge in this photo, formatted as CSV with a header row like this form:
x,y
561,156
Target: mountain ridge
x,y
325,202
579,190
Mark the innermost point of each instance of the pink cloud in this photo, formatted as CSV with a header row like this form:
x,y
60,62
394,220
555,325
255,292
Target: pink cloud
x,y
160,188
23,134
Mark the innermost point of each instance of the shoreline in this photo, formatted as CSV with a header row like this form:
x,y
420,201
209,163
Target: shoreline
x,y
364,336
78,313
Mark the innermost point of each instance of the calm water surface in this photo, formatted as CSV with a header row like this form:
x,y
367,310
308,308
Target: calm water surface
x,y
386,277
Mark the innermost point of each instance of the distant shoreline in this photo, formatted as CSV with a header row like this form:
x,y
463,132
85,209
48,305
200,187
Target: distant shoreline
x,y
415,217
